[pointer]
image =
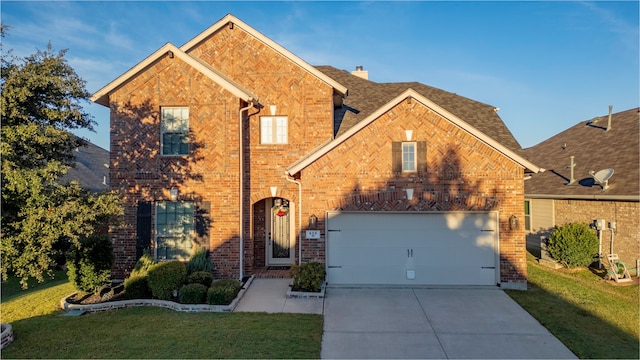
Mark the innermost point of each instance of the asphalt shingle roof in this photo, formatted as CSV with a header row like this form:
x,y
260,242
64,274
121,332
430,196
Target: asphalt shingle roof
x,y
366,96
89,168
594,149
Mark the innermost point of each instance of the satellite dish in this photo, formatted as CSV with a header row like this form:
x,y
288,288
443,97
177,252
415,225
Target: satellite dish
x,y
602,177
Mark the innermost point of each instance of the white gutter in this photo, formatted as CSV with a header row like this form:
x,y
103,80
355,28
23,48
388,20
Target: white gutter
x,y
240,157
286,174
584,197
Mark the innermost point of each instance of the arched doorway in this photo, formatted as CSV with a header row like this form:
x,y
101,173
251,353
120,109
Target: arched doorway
x,y
279,232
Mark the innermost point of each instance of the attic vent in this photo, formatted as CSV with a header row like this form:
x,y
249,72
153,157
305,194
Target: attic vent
x,y
359,72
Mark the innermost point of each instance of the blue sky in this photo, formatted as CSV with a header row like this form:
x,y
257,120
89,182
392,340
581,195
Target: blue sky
x,y
547,65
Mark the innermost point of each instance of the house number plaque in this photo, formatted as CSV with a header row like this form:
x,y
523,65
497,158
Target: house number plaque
x,y
313,234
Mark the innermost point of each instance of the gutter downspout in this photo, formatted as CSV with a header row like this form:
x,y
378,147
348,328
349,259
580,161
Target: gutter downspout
x,y
287,176
240,158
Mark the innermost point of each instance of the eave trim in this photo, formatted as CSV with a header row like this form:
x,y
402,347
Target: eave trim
x,y
303,163
584,197
102,96
187,47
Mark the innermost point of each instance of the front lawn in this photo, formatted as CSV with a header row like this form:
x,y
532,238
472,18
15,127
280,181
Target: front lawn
x,y
147,332
593,318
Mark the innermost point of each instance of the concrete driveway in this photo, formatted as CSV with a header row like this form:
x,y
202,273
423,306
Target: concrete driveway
x,y
402,323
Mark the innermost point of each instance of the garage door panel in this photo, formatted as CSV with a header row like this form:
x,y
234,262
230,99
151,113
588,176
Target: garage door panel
x,y
439,248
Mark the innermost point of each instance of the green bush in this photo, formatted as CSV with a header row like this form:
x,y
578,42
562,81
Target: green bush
x,y
199,261
137,287
223,292
308,276
89,264
574,245
166,277
193,294
143,264
200,277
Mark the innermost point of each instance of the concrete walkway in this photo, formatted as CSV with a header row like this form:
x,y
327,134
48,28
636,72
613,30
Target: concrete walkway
x,y
270,295
404,323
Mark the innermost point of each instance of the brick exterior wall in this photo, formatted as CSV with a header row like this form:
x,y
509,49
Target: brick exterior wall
x,y
210,172
463,173
626,238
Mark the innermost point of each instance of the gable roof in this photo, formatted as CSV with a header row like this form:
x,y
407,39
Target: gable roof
x,y
187,47
410,93
593,149
102,96
366,96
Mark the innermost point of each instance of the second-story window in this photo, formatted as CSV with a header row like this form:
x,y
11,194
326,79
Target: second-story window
x,y
175,131
273,130
408,156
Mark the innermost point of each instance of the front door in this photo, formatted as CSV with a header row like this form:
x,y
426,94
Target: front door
x,y
280,242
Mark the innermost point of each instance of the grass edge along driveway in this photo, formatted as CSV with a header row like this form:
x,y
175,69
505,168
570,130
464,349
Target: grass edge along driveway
x,y
593,318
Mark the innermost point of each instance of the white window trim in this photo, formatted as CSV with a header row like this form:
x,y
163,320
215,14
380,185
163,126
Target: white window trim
x,y
162,131
415,156
274,130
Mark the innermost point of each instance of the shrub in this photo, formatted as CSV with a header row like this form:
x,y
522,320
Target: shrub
x,y
165,277
193,294
143,264
573,245
223,292
200,277
199,261
308,276
137,287
89,263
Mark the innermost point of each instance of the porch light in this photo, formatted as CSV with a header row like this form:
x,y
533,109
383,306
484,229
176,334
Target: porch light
x,y
174,194
313,221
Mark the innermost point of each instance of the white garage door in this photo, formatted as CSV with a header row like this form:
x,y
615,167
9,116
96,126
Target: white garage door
x,y
434,248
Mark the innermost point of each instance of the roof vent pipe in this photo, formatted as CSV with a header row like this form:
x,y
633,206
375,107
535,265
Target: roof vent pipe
x,y
573,164
609,121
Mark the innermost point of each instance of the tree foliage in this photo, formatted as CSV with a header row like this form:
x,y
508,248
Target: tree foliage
x,y
41,101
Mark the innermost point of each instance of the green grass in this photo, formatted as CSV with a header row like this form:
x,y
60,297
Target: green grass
x,y
593,318
147,332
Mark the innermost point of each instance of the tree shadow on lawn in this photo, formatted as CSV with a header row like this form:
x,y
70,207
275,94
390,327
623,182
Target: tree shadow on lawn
x,y
147,332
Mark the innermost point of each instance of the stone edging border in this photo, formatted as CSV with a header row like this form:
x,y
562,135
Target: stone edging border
x,y
305,295
120,304
7,335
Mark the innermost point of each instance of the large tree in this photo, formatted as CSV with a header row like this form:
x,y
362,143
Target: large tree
x,y
41,102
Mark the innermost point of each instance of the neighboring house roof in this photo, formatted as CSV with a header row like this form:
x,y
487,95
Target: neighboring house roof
x,y
91,168
594,148
102,95
368,100
272,44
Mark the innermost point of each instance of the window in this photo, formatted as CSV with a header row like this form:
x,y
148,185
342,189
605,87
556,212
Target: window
x,y
175,131
273,130
174,230
527,215
408,156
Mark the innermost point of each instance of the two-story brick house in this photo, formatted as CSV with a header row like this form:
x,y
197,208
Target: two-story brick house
x,y
232,143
